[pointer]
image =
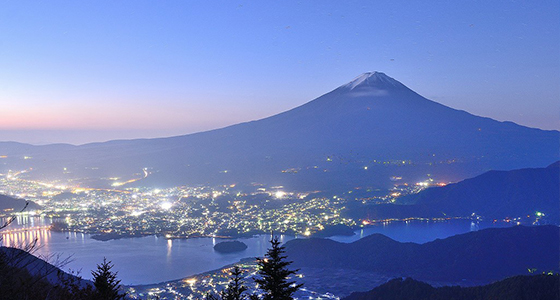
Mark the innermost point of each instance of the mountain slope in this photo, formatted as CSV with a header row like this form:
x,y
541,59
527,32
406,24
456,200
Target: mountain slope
x,y
372,121
24,276
538,287
497,194
36,266
492,195
476,257
13,204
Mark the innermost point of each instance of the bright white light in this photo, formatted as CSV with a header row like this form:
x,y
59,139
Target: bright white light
x,y
279,194
166,205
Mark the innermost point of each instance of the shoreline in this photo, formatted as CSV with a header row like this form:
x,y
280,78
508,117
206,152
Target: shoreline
x,y
365,224
247,260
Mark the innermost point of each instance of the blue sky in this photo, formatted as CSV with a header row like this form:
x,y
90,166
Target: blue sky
x,y
82,71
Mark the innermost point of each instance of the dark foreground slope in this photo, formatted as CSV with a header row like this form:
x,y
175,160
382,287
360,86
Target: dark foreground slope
x,y
476,257
492,195
24,276
538,287
372,121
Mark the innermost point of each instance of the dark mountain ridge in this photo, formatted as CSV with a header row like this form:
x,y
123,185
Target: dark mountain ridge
x,y
372,121
38,267
25,276
8,203
537,287
492,195
477,257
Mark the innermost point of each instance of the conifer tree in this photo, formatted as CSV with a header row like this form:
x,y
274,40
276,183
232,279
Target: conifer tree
x,y
274,274
235,288
107,286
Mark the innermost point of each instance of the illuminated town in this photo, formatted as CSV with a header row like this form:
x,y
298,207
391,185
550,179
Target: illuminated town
x,y
184,212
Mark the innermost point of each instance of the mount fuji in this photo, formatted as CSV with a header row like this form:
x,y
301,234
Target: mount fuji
x,y
361,134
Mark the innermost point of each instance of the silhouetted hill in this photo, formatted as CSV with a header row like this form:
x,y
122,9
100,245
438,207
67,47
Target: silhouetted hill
x,y
12,204
36,266
24,276
493,195
538,287
477,257
374,121
230,246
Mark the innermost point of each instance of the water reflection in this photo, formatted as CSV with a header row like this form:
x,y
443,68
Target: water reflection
x,y
169,249
26,220
474,226
20,237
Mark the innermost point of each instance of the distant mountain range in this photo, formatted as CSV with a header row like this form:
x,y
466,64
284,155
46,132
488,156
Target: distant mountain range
x,y
15,205
537,287
492,195
360,134
478,257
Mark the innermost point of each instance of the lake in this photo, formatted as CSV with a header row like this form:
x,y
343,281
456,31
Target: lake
x,y
152,260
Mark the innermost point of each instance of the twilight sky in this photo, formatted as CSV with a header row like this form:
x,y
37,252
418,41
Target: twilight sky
x,y
83,71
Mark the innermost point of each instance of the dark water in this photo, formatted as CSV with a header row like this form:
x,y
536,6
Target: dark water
x,y
152,260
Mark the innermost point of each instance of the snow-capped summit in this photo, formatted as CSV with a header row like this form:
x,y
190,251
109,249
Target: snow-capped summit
x,y
374,79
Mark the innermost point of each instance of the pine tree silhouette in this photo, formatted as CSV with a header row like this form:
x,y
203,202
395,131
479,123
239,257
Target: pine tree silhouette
x,y
274,274
107,287
235,288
